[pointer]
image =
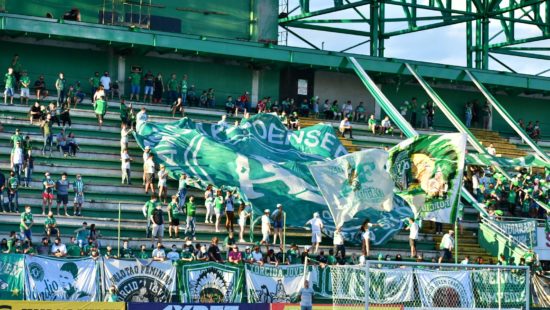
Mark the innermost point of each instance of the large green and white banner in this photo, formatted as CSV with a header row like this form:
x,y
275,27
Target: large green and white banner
x,y
12,276
141,280
273,284
445,289
355,182
524,231
427,171
211,283
508,286
50,279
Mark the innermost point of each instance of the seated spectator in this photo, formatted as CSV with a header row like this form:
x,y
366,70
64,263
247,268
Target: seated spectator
x,y
283,118
304,108
294,121
535,134
51,226
173,255
271,258
34,113
214,253
109,253
44,247
345,126
187,252
325,109
142,254
347,110
247,256
202,254
336,114
261,106
235,256
360,113
177,106
73,250
372,124
229,105
72,145
257,256
386,127
491,150
158,253
58,248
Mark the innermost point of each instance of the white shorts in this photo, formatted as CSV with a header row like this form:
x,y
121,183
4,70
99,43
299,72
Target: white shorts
x,y
316,237
218,212
79,199
162,184
25,92
158,230
265,236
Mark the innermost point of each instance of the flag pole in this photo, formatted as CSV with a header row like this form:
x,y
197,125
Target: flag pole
x,y
118,237
284,235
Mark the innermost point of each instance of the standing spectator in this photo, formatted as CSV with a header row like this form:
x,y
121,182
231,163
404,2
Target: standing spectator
x,y
469,114
182,190
17,137
25,226
148,81
25,82
51,226
105,81
124,133
78,188
100,110
174,217
172,88
306,296
9,81
266,227
338,241
218,208
413,235
486,113
147,210
366,236
446,247
183,93
126,170
13,195
82,234
191,210
28,167
2,187
345,126
157,219
62,189
135,81
209,203
229,211
146,153
65,114
316,228
430,112
278,218
35,113
40,88
150,174
414,112
47,135
163,183
123,110
17,160
48,186
60,87
95,82
53,111
58,248
159,88
115,90
243,215
214,254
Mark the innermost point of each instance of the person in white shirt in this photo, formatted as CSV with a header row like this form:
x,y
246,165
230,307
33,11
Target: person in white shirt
x,y
58,248
385,126
149,174
257,256
124,133
105,80
446,246
365,237
266,227
17,160
345,126
491,150
173,255
142,116
347,109
125,159
223,121
146,153
316,228
338,242
158,253
163,183
413,235
466,260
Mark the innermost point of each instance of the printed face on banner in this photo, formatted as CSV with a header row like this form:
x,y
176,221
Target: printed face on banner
x,y
211,283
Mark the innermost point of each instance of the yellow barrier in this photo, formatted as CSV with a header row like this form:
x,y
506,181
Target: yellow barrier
x,y
60,305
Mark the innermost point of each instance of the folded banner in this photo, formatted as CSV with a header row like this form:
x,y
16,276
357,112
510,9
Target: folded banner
x,y
391,286
141,280
12,276
524,231
265,160
506,285
211,283
445,289
541,290
61,279
489,160
354,182
427,171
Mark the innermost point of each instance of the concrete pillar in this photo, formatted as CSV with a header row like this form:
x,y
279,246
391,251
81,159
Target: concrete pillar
x,y
254,93
121,74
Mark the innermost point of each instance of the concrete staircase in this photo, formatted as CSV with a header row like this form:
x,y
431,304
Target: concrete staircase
x,y
503,147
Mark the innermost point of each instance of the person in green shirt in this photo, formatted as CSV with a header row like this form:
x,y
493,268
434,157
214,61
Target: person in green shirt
x,y
100,110
331,259
9,81
188,252
82,234
372,124
135,80
13,194
172,86
147,210
73,250
25,82
51,226
293,255
17,137
27,248
26,223
142,254
60,87
184,89
11,243
191,212
211,98
126,251
123,112
174,217
94,82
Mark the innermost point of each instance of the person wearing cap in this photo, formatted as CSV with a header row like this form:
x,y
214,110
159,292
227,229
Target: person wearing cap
x,y
162,183
278,218
266,227
187,252
316,228
446,247
235,256
149,169
257,255
17,159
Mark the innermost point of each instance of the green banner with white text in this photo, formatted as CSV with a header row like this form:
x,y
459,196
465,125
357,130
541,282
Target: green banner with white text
x,y
12,276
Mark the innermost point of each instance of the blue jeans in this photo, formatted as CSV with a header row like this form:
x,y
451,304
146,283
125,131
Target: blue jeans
x,y
28,176
13,201
18,169
190,226
468,120
172,96
182,194
47,142
60,96
2,200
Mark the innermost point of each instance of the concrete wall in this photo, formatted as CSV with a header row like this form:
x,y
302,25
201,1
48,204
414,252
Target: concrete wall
x,y
343,87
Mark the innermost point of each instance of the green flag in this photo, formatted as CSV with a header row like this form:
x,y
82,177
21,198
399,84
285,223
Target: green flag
x,y
12,267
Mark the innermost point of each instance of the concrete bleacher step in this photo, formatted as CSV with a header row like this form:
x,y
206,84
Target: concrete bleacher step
x,y
502,146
